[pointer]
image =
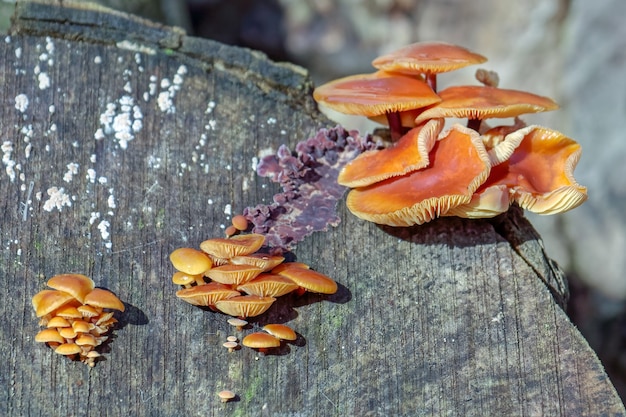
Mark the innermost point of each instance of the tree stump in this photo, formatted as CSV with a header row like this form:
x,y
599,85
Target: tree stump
x,y
123,140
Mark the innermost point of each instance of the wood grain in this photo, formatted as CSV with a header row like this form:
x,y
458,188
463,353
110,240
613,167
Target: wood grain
x,y
454,317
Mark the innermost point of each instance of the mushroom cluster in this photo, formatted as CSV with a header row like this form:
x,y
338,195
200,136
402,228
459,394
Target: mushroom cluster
x,y
76,316
472,171
230,275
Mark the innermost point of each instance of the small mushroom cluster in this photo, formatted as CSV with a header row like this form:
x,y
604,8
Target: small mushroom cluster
x,y
76,316
272,336
472,171
230,275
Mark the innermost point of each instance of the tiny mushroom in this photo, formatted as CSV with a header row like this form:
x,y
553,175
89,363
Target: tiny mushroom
x,y
230,345
240,222
280,331
260,341
226,396
239,324
184,279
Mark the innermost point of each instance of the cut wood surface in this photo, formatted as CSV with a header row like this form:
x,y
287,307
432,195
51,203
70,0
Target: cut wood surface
x,y
150,137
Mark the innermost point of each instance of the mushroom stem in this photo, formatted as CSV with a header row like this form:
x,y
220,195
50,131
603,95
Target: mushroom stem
x,y
395,125
474,124
431,80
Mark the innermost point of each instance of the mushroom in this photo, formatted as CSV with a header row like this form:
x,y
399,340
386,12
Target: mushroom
x,y
427,58
190,261
408,154
101,298
58,322
69,311
75,284
285,265
540,172
231,346
269,285
260,341
68,349
245,305
226,396
240,222
459,164
379,93
239,324
184,279
46,301
49,336
260,260
233,274
280,331
309,280
206,295
476,103
226,248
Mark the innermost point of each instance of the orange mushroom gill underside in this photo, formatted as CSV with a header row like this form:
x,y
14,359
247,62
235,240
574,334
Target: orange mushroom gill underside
x,y
459,164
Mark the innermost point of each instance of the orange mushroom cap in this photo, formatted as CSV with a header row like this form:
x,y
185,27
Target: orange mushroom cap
x,y
245,305
280,331
46,301
233,274
482,102
49,336
269,285
101,298
75,284
226,248
206,295
408,154
427,58
285,265
260,260
539,172
57,321
260,340
375,94
68,349
310,280
190,261
459,164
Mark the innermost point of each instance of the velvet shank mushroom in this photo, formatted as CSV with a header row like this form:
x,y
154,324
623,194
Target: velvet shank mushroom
x,y
226,248
408,154
459,164
245,305
427,58
380,93
476,102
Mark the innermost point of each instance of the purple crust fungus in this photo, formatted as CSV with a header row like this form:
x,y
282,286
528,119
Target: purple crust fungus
x,y
308,178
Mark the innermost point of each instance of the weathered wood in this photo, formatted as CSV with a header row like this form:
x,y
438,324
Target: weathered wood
x,y
451,318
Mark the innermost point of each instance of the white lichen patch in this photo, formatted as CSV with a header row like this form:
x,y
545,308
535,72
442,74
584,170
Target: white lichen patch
x,y
121,120
7,161
72,169
136,47
103,227
210,107
44,80
57,198
21,102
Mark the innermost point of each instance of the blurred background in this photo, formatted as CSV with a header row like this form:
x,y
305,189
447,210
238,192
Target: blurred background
x,y
571,50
